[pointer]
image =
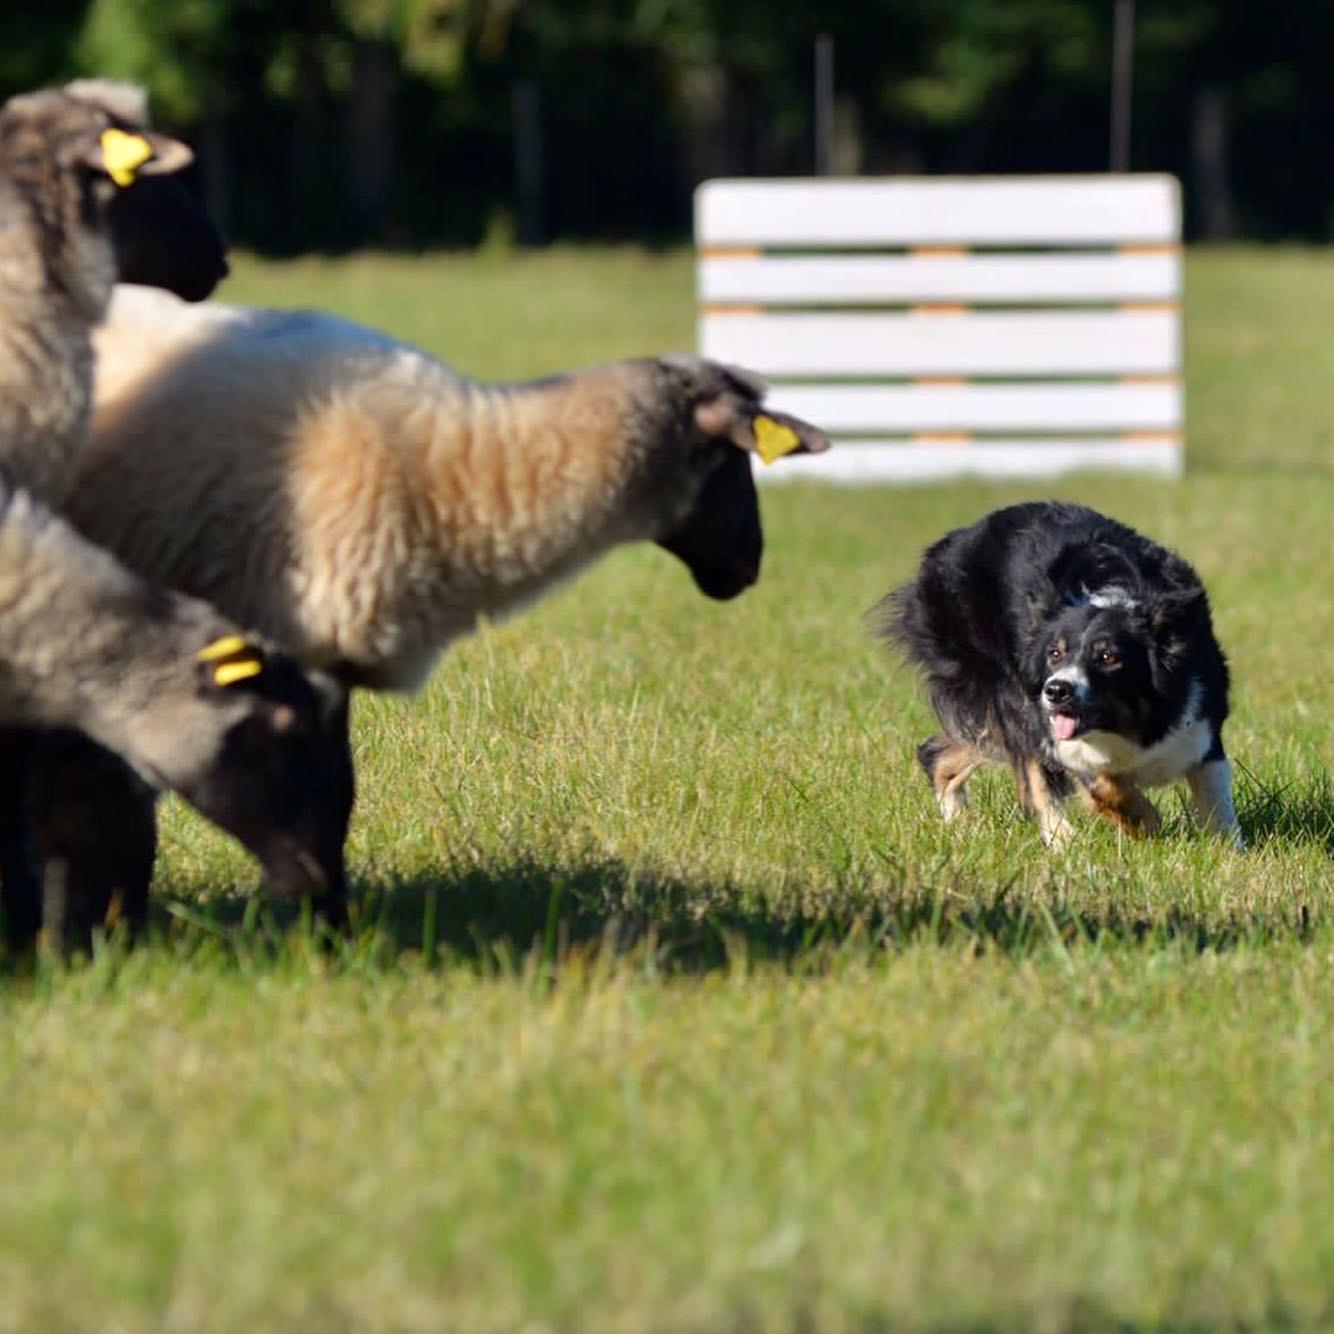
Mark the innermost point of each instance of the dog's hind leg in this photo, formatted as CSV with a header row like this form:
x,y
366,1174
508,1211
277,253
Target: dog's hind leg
x,y
1124,804
1211,792
948,765
1041,797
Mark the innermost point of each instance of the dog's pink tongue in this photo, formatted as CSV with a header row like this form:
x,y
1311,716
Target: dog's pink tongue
x,y
1063,726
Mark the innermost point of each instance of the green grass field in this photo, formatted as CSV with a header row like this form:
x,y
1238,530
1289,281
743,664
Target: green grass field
x,y
672,1005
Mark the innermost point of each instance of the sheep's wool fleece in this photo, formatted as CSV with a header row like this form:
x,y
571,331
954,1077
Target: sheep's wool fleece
x,y
86,642
347,494
56,273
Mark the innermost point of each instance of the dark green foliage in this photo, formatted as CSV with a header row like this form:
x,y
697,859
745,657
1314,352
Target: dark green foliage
x,y
328,123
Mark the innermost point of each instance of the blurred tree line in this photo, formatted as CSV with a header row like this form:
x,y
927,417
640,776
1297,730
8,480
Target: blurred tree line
x,y
328,123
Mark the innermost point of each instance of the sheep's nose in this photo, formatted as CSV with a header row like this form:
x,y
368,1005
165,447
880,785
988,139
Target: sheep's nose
x,y
1057,691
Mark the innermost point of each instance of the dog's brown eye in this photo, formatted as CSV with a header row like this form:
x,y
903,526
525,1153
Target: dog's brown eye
x,y
1055,653
1108,658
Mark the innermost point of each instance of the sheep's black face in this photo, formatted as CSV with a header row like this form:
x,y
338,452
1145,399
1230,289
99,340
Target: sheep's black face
x,y
62,162
161,235
281,782
721,541
163,238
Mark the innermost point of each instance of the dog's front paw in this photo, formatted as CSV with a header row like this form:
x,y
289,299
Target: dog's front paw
x,y
1057,829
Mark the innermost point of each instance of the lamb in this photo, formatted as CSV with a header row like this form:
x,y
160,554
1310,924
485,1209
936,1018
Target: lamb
x,y
228,722
62,159
387,502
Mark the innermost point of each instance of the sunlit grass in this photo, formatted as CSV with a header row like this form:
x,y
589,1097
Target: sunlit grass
x,y
671,1003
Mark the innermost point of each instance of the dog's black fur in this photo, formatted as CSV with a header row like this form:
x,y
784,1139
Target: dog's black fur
x,y
1065,644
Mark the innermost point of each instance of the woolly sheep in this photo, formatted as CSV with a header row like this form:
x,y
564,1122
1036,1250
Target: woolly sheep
x,y
365,504
61,161
234,726
57,268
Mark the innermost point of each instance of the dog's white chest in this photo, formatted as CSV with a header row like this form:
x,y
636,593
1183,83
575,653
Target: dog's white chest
x,y
1182,749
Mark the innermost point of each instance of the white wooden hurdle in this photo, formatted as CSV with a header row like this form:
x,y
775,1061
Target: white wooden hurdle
x,y
999,326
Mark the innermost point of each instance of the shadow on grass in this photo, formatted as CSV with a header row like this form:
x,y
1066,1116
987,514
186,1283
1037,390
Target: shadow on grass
x,y
1297,812
506,918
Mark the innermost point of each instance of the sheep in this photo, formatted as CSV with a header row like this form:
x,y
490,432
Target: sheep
x,y
230,723
62,159
161,236
388,503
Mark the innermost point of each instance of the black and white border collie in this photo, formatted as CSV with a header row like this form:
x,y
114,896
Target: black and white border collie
x,y
1064,644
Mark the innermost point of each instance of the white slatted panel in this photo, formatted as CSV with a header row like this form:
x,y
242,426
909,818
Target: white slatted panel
x,y
987,211
905,408
1095,343
901,461
870,280
1088,333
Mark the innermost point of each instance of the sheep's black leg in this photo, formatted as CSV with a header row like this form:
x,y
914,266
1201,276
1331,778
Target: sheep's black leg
x,y
331,906
96,835
20,888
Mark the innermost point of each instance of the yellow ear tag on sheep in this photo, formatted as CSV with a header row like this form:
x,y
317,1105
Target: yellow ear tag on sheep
x,y
226,647
236,657
123,154
773,439
229,673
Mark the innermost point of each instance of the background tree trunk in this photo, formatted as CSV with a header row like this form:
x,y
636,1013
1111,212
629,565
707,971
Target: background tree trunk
x,y
214,177
370,136
1209,154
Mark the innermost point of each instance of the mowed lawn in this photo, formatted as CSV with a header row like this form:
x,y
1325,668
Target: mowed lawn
x,y
672,1005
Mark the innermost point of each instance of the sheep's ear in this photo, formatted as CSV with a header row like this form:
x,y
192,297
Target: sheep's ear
x,y
771,435
125,155
231,659
728,406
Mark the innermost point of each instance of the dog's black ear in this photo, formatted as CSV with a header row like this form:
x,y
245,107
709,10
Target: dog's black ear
x,y
1041,600
1173,621
1177,614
